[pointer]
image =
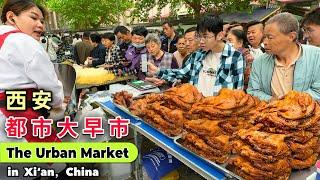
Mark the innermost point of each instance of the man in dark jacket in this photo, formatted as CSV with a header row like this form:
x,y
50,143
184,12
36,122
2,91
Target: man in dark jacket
x,y
82,49
98,53
169,43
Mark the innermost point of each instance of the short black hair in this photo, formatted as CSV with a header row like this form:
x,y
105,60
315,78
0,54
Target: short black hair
x,y
18,6
193,28
252,23
167,22
240,35
95,38
313,17
109,36
211,23
180,37
140,31
121,29
86,35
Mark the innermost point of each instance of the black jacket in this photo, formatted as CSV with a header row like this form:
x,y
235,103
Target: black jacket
x,y
173,44
100,53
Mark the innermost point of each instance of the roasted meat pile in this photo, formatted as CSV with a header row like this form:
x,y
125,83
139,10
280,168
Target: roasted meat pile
x,y
206,138
228,103
123,98
232,108
261,155
216,120
297,117
138,106
166,111
182,97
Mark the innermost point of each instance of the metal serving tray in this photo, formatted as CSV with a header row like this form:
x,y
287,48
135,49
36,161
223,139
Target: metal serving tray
x,y
172,137
126,110
220,167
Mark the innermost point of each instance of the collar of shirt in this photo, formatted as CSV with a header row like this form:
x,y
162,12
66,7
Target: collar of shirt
x,y
279,64
7,28
157,60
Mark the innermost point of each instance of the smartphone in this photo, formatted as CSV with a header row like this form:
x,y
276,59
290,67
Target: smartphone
x,y
144,63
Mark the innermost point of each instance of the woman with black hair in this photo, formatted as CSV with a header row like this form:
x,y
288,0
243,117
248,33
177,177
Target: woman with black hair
x,y
98,53
238,40
25,67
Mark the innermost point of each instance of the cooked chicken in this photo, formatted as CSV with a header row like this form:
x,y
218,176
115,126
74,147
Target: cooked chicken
x,y
299,137
248,152
208,155
295,105
173,116
303,155
246,176
245,166
199,146
311,121
232,126
123,98
204,127
183,96
297,147
266,143
303,164
187,93
138,106
229,103
273,120
159,123
221,142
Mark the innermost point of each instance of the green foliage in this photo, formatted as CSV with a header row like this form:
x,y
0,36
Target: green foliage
x,y
83,14
196,7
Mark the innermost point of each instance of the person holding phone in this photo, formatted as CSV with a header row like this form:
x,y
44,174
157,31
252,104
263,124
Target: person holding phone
x,y
136,51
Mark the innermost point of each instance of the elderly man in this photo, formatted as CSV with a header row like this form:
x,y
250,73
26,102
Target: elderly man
x,y
311,27
287,65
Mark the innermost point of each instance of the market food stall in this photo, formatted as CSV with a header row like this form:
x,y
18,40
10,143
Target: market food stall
x,y
230,136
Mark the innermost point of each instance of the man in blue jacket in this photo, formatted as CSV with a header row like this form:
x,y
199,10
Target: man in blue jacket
x,y
286,65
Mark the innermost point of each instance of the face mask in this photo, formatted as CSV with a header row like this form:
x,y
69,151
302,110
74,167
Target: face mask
x,y
138,45
232,44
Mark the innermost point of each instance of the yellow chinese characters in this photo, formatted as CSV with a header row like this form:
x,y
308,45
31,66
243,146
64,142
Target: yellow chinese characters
x,y
16,100
19,100
41,100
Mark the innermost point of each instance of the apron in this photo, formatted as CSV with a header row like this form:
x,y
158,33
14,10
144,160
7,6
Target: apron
x,y
29,113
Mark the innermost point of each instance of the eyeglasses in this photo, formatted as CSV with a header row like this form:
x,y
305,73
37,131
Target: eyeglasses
x,y
307,30
205,37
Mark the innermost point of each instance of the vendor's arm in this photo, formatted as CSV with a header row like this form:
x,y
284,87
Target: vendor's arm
x,y
42,72
172,75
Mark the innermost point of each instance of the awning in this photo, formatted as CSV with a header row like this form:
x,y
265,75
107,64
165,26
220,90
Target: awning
x,y
297,7
259,14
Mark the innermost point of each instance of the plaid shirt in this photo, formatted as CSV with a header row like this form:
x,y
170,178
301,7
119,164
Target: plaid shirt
x,y
115,52
165,62
230,73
